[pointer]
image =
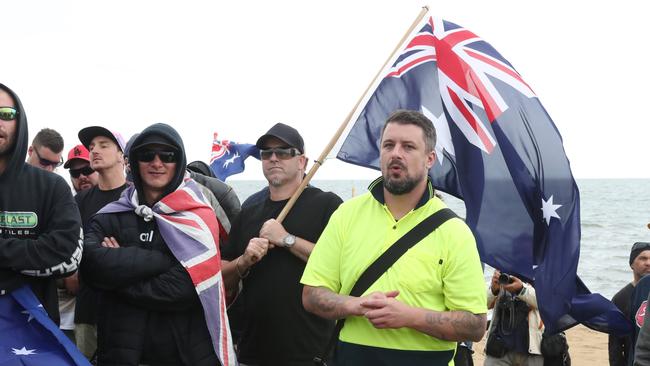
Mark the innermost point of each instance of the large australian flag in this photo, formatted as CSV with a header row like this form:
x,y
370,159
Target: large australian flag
x,y
28,337
500,152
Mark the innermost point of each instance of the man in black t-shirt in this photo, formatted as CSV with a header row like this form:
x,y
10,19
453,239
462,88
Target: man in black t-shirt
x,y
269,257
107,159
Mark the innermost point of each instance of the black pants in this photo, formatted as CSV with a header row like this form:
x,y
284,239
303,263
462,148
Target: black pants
x,y
349,354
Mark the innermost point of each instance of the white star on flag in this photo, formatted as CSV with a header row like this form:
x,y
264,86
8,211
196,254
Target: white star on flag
x,y
549,210
23,351
30,317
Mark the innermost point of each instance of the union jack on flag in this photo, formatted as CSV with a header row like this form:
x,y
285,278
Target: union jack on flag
x,y
190,229
499,151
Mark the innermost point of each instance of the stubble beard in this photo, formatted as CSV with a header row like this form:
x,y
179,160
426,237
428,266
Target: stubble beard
x,y
400,186
7,148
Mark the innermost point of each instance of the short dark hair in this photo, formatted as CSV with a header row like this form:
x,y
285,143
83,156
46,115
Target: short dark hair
x,y
408,117
49,138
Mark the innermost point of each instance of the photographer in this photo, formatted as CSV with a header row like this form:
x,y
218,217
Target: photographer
x,y
516,329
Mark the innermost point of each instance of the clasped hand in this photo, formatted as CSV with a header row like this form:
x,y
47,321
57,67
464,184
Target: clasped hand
x,y
382,309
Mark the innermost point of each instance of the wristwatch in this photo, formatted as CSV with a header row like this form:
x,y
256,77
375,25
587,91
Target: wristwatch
x,y
289,241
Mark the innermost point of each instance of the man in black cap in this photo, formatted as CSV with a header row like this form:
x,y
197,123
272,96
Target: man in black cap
x,y
620,347
269,257
106,149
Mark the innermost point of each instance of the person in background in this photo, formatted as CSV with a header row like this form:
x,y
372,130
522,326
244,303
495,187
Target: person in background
x,y
82,176
620,347
516,329
45,150
432,297
225,195
107,159
40,228
269,257
127,148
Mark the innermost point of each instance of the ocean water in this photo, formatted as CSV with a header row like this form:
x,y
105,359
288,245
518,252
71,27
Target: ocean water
x,y
614,215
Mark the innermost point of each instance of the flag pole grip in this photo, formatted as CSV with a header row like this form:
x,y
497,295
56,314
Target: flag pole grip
x,y
339,131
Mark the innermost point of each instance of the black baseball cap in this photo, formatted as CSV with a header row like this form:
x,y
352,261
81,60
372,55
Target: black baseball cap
x,y
287,134
154,139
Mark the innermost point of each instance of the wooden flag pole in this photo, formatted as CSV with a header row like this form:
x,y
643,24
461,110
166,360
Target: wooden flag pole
x,y
339,131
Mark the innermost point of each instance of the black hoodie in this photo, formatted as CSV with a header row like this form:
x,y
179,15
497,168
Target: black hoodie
x,y
40,225
148,309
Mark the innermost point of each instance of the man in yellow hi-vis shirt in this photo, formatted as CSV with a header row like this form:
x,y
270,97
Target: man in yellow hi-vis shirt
x,y
432,297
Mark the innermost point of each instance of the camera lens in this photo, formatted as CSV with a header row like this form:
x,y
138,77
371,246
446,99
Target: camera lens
x,y
504,278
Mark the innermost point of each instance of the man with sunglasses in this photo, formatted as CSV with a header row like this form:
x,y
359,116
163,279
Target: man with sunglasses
x,y
45,151
39,222
82,175
144,253
620,348
269,257
106,153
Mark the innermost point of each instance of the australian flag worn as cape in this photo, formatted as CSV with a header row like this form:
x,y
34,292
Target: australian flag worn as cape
x,y
500,152
190,229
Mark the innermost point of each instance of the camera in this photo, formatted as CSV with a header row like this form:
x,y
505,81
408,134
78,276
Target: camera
x,y
505,279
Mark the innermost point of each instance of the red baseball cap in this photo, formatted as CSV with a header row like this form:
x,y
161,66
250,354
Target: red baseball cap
x,y
78,152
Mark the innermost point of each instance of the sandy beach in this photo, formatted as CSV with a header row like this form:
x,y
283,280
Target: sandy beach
x,y
587,347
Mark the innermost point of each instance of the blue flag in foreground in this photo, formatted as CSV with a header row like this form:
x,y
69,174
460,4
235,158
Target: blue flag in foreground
x,y
501,153
228,157
29,337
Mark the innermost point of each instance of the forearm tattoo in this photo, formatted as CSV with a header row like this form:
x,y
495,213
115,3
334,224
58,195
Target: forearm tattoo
x,y
324,302
456,325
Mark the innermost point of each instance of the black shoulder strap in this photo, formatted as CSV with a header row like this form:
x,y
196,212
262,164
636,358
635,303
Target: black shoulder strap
x,y
385,261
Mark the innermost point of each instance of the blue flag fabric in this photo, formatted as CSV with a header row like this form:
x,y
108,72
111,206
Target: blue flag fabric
x,y
500,152
28,337
228,157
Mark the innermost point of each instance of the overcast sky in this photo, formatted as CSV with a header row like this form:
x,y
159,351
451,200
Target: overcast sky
x,y
237,67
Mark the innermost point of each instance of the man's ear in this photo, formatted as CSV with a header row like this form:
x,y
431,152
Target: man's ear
x,y
304,165
30,150
431,159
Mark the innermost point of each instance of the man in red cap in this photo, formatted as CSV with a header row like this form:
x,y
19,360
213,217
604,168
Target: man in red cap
x,y
82,175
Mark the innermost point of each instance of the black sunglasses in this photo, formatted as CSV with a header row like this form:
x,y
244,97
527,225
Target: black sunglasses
x,y
45,162
8,113
75,173
148,156
283,153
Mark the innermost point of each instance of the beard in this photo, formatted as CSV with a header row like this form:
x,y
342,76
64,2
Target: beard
x,y
6,148
399,186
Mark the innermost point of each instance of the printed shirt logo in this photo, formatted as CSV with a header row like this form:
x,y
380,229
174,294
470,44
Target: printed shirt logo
x,y
18,220
640,314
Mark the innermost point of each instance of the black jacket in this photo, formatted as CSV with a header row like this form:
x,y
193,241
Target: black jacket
x,y
148,309
40,227
222,192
